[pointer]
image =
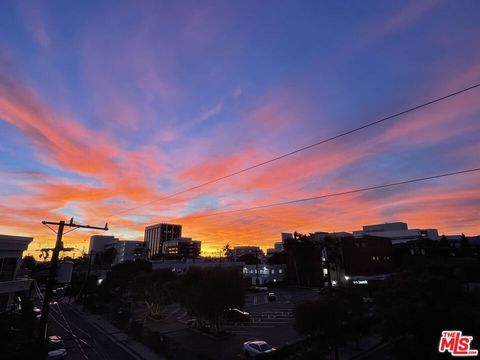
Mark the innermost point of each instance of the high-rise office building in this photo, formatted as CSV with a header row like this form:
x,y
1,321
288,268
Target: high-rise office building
x,y
156,235
182,248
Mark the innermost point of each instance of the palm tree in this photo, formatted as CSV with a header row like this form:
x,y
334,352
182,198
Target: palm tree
x,y
227,251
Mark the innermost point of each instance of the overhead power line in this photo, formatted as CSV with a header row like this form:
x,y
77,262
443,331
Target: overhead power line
x,y
304,148
348,192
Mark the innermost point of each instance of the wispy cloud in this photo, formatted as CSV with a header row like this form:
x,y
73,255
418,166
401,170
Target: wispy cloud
x,y
153,100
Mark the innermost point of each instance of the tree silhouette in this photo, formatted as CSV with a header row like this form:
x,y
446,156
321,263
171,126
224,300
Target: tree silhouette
x,y
416,307
228,251
277,258
332,320
156,289
206,293
29,262
249,259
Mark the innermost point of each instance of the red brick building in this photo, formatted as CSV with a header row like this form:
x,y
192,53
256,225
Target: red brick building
x,y
367,255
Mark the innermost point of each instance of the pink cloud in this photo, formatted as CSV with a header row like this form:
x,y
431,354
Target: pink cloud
x,y
62,142
443,120
57,136
401,19
34,16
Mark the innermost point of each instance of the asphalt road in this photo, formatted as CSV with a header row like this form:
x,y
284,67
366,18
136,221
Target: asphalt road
x,y
83,340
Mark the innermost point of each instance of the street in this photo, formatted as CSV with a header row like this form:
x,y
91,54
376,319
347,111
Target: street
x,y
82,339
271,321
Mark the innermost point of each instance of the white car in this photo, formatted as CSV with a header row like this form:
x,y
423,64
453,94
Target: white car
x,y
56,348
257,347
57,354
37,312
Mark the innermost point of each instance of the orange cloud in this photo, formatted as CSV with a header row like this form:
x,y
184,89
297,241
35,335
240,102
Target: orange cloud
x,y
113,179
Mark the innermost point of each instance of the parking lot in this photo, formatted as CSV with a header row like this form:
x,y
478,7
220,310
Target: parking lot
x,y
272,321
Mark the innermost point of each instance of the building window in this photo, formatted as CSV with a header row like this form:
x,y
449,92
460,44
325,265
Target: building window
x,y
273,271
280,271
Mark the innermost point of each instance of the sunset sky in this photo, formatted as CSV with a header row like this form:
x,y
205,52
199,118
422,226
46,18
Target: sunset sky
x,y
107,106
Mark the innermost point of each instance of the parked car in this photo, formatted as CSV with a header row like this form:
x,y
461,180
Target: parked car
x,y
237,315
37,312
56,348
272,297
257,347
57,354
258,288
200,325
323,291
192,323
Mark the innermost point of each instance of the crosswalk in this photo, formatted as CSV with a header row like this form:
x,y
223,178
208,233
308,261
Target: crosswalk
x,y
261,299
262,319
258,319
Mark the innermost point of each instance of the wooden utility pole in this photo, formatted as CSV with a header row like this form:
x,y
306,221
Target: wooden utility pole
x,y
326,265
257,260
42,328
85,286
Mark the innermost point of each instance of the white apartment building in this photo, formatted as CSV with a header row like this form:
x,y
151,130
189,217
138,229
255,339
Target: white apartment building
x,y
11,250
398,232
182,266
98,243
124,249
265,273
128,250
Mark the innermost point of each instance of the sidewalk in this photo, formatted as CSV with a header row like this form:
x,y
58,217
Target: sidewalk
x,y
365,344
134,348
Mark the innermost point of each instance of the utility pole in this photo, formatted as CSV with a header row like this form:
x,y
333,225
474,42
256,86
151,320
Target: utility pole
x,y
42,328
326,262
85,286
256,262
326,266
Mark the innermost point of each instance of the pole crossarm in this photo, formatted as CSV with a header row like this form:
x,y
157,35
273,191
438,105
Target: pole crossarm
x,y
72,224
